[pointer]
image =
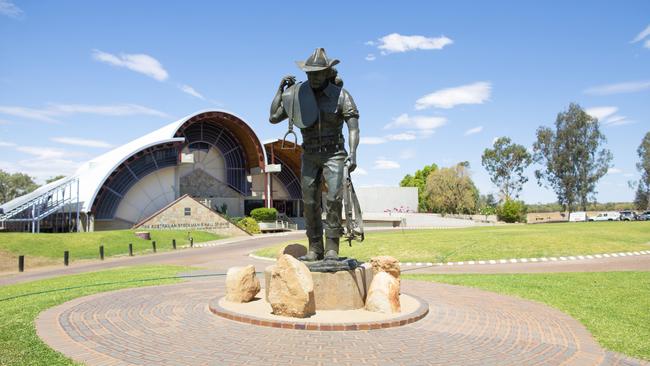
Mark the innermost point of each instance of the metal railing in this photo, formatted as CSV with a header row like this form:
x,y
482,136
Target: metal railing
x,y
62,198
277,225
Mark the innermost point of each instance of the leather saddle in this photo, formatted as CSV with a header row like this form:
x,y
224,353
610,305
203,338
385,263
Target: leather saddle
x,y
300,104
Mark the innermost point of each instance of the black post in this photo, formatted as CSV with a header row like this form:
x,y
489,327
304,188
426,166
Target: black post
x,y
101,252
21,263
174,243
153,244
66,258
130,250
191,242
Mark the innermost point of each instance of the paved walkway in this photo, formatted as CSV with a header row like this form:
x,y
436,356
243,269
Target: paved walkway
x,y
171,325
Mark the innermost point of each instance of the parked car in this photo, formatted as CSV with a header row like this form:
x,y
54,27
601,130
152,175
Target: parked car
x,y
645,216
628,216
606,216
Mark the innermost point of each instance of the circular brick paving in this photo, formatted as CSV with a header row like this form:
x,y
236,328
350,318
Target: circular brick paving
x,y
172,325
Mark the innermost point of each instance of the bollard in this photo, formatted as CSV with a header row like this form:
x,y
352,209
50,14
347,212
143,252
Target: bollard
x,y
174,243
153,244
130,250
21,263
101,252
66,258
191,242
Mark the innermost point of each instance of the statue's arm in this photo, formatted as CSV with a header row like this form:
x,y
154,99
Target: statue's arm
x,y
277,112
351,116
353,139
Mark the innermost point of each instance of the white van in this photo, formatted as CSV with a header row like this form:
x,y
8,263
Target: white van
x,y
606,216
578,216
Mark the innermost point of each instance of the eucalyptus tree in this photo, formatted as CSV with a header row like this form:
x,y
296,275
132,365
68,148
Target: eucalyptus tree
x,y
506,163
572,157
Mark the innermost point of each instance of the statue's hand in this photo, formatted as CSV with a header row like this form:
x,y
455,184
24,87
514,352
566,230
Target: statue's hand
x,y
351,161
287,81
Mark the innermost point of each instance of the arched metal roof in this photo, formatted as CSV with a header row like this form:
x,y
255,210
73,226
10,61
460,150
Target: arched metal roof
x,y
225,131
94,174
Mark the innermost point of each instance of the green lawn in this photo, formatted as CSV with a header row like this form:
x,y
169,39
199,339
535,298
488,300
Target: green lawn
x,y
20,345
614,306
498,242
86,245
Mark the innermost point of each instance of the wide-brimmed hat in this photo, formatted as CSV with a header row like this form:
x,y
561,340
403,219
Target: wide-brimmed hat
x,y
317,61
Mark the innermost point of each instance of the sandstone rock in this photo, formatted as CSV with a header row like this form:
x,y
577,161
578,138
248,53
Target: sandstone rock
x,y
291,288
241,284
383,296
385,263
294,250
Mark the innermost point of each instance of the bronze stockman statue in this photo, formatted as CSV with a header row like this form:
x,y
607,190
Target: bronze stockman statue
x,y
319,107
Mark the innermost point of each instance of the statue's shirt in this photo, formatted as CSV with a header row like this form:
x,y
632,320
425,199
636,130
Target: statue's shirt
x,y
336,106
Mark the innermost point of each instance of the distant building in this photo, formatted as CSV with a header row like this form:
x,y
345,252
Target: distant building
x,y
213,156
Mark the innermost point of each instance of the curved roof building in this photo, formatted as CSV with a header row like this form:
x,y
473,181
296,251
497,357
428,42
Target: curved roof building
x,y
213,156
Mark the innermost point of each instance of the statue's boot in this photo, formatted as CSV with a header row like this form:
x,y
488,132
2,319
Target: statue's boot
x,y
315,252
332,249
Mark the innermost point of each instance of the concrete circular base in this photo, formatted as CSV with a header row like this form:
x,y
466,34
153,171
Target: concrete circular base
x,y
342,290
258,312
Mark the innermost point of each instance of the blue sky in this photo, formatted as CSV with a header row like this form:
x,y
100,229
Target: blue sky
x,y
434,82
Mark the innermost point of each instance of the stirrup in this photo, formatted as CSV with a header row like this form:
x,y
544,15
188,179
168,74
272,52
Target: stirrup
x,y
284,139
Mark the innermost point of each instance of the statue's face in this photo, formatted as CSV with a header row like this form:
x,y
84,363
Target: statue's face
x,y
318,78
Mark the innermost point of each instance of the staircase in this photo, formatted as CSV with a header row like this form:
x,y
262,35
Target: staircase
x,y
58,197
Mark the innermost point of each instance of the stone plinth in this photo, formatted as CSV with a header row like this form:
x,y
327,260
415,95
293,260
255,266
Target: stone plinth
x,y
342,290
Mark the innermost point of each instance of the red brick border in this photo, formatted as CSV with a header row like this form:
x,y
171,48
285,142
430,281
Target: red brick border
x,y
297,324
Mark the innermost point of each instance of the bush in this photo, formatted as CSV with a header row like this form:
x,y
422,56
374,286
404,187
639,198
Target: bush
x,y
249,224
264,214
512,211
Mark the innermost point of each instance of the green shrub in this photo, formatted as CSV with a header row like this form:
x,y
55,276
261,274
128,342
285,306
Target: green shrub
x,y
234,219
512,211
249,224
264,214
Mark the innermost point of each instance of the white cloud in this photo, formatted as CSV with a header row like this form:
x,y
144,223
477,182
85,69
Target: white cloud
x,y
43,152
81,142
191,91
619,88
10,9
647,43
607,116
395,43
44,168
424,123
614,171
407,136
7,144
474,130
141,63
49,113
369,140
370,43
601,112
360,171
106,110
5,122
371,57
45,162
373,140
384,164
617,120
628,175
30,113
475,93
644,33
407,154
